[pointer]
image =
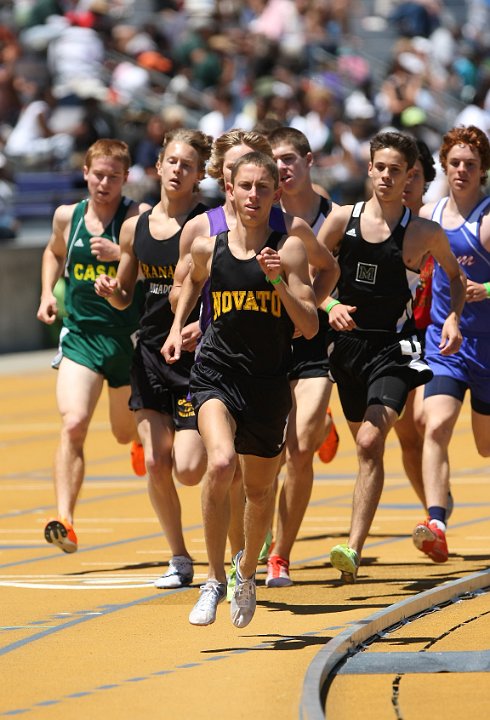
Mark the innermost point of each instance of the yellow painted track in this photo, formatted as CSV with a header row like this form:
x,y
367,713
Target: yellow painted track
x,y
88,636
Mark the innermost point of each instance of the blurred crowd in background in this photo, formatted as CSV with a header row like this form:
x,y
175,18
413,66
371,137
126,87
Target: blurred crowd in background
x,y
72,71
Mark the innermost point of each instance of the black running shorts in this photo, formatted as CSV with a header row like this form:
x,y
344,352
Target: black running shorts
x,y
161,387
310,356
375,369
259,406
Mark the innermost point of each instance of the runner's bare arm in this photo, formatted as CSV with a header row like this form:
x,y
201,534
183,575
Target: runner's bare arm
x,y
294,288
104,248
119,291
53,263
331,234
201,253
451,337
198,225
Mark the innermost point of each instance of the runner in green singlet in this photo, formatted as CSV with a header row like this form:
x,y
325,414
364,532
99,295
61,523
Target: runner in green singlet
x,y
95,340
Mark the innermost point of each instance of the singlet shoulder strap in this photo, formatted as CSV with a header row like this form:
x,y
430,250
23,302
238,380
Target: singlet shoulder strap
x,y
478,211
75,223
199,209
217,220
274,239
276,219
220,246
122,210
406,218
357,209
472,222
324,209
473,219
221,238
325,205
437,210
143,219
119,217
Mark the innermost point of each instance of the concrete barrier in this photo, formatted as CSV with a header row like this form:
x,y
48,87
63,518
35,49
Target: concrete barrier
x,y
20,289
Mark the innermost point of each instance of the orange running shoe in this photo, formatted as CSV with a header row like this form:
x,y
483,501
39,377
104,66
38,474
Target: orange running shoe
x,y
60,532
328,449
138,459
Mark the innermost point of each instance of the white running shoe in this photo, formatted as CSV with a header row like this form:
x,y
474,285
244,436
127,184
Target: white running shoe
x,y
179,574
243,602
204,611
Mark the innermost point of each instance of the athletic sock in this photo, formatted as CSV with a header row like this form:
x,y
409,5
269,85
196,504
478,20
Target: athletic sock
x,y
439,515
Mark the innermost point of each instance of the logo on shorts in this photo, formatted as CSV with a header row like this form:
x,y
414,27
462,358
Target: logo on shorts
x,y
185,408
366,273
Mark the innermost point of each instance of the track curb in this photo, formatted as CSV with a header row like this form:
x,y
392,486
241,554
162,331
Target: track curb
x,y
311,705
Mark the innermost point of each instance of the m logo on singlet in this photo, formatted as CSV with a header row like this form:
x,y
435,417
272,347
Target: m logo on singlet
x,y
366,273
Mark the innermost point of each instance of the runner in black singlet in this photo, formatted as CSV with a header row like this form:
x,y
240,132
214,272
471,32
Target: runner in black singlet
x,y
310,426
239,385
165,416
375,357
227,149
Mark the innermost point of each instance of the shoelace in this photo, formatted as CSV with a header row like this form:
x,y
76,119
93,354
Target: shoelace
x,y
177,568
207,593
244,592
281,563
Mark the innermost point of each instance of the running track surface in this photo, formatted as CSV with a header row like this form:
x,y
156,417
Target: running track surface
x,y
88,636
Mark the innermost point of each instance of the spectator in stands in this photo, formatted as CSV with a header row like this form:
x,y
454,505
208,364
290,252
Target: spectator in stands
x,y
400,88
31,140
40,11
418,18
77,54
10,52
277,20
343,170
146,155
194,56
320,114
8,222
272,101
224,116
477,112
95,123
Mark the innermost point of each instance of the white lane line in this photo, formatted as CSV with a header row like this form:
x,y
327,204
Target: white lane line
x,y
327,518
34,427
24,627
468,549
43,483
45,586
88,521
111,564
74,578
27,531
